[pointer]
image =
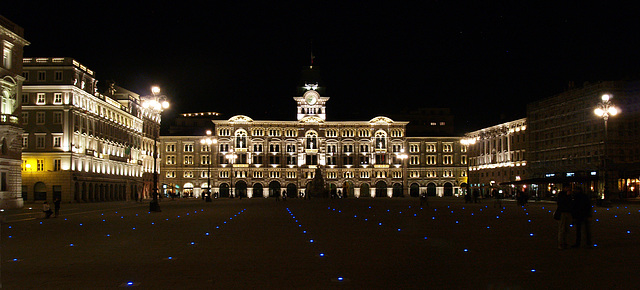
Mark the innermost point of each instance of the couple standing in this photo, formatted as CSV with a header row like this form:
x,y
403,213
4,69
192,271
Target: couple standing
x,y
573,205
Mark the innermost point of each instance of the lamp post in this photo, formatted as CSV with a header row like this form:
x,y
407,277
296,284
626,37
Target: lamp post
x,y
403,156
231,156
209,142
605,109
155,103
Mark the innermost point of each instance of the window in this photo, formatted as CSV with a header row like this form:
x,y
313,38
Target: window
x,y
463,159
205,160
447,148
431,159
25,141
331,148
188,159
57,76
257,147
188,147
188,174
57,98
381,140
25,118
42,76
40,141
431,147
332,133
40,165
57,117
171,147
171,159
57,140
291,148
447,159
25,75
364,148
414,160
414,148
171,174
40,99
56,165
25,98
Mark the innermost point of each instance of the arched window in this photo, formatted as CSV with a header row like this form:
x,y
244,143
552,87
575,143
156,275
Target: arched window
x,y
381,140
311,140
241,139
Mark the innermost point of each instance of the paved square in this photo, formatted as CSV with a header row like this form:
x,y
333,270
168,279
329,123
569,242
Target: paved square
x,y
317,244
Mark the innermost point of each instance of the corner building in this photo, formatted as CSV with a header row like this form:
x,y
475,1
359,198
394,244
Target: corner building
x,y
253,158
79,144
12,43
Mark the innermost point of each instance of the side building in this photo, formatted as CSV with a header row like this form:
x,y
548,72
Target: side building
x,y
12,44
81,145
569,142
498,154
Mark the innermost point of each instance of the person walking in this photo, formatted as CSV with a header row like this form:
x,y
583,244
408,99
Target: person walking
x,y
56,206
47,210
582,216
564,208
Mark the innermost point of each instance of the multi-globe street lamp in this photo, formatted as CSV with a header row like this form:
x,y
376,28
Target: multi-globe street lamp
x,y
155,103
210,142
605,109
231,156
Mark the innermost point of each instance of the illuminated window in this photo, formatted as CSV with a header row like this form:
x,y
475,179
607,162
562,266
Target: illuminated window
x,y
57,140
188,159
171,159
188,147
171,174
431,147
332,133
40,99
447,147
40,165
57,98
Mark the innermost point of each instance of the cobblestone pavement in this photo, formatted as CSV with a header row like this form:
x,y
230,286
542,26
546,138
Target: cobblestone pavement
x,y
316,244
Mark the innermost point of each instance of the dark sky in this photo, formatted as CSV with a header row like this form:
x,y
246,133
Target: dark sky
x,y
483,60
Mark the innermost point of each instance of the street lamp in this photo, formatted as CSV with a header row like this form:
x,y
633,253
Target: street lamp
x,y
209,142
605,109
403,156
155,103
231,156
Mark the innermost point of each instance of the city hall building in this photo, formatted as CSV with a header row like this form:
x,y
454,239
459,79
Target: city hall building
x,y
263,158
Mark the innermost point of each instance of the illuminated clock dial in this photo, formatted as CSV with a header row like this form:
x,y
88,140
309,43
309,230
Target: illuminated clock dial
x,y
311,97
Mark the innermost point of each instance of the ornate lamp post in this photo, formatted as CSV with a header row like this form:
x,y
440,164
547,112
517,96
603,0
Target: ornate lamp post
x,y
231,156
605,109
155,103
403,156
209,142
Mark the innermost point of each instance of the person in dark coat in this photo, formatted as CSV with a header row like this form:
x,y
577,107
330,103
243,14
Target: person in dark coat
x,y
581,216
565,207
56,206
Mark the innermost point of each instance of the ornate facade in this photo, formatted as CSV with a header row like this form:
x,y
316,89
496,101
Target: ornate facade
x,y
12,43
81,145
266,158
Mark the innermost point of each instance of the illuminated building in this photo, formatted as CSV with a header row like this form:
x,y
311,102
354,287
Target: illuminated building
x,y
79,144
12,43
498,154
356,158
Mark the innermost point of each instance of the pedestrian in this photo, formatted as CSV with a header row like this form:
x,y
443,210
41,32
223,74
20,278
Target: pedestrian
x,y
476,193
56,206
47,210
498,198
284,195
564,208
423,198
581,216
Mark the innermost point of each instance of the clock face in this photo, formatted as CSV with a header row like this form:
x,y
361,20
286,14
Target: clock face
x,y
311,97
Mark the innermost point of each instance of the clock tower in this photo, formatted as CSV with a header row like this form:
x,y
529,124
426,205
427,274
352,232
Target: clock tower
x,y
311,103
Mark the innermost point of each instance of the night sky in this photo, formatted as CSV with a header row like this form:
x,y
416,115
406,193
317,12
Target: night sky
x,y
483,60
